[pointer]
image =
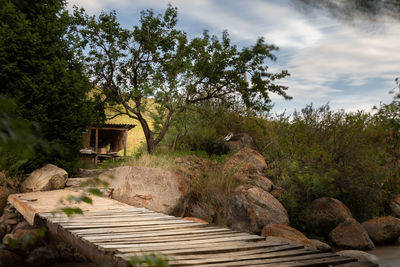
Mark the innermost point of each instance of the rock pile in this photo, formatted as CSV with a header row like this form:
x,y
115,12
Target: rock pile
x,y
25,245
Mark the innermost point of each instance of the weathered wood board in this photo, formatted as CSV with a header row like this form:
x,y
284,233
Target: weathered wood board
x,y
110,232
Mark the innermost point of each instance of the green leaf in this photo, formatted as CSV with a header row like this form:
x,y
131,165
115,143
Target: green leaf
x,y
95,192
71,211
87,199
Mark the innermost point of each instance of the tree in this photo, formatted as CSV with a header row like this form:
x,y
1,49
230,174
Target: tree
x,y
154,70
40,70
16,138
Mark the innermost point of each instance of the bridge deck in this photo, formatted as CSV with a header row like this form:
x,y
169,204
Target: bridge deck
x,y
112,232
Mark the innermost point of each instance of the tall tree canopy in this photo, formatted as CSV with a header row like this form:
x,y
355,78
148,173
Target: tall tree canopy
x,y
39,69
154,69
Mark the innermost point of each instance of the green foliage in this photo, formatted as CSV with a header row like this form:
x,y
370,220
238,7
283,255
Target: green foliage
x,y
317,152
16,137
154,71
150,260
40,70
325,153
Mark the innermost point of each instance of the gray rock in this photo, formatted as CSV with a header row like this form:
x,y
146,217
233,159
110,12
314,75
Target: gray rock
x,y
352,235
287,232
156,189
24,238
256,180
325,213
247,161
395,205
359,255
192,166
202,211
42,256
250,208
383,230
4,193
49,177
319,245
9,258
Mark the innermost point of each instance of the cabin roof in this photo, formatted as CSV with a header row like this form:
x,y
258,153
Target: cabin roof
x,y
118,125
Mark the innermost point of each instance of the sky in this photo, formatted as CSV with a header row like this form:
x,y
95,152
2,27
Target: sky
x,y
351,66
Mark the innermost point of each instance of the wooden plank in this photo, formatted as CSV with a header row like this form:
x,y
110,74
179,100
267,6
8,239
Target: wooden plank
x,y
143,228
105,216
223,258
247,252
116,220
111,210
274,261
105,225
186,232
147,244
315,262
172,238
227,246
250,251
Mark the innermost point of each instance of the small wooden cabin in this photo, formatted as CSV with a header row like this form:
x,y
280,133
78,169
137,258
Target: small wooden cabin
x,y
107,141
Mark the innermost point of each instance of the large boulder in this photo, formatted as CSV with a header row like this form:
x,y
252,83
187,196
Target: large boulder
x,y
256,180
201,210
249,208
359,255
383,230
287,232
325,213
192,166
246,161
153,188
395,205
24,238
49,177
352,235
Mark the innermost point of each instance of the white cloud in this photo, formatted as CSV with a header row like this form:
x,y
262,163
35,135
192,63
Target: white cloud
x,y
322,55
347,55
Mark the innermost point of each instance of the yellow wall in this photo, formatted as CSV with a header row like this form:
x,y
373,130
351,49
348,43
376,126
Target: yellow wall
x,y
135,136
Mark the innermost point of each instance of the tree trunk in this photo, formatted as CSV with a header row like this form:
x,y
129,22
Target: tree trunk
x,y
151,145
173,147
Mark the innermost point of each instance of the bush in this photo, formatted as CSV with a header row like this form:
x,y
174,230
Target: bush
x,y
16,137
325,153
317,152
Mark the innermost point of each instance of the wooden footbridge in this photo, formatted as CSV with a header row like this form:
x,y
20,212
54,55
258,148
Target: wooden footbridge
x,y
110,232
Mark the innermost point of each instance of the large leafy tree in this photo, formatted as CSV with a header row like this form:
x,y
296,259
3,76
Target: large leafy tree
x,y
155,71
40,70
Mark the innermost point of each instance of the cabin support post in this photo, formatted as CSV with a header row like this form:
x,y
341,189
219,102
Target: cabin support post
x,y
124,144
96,145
